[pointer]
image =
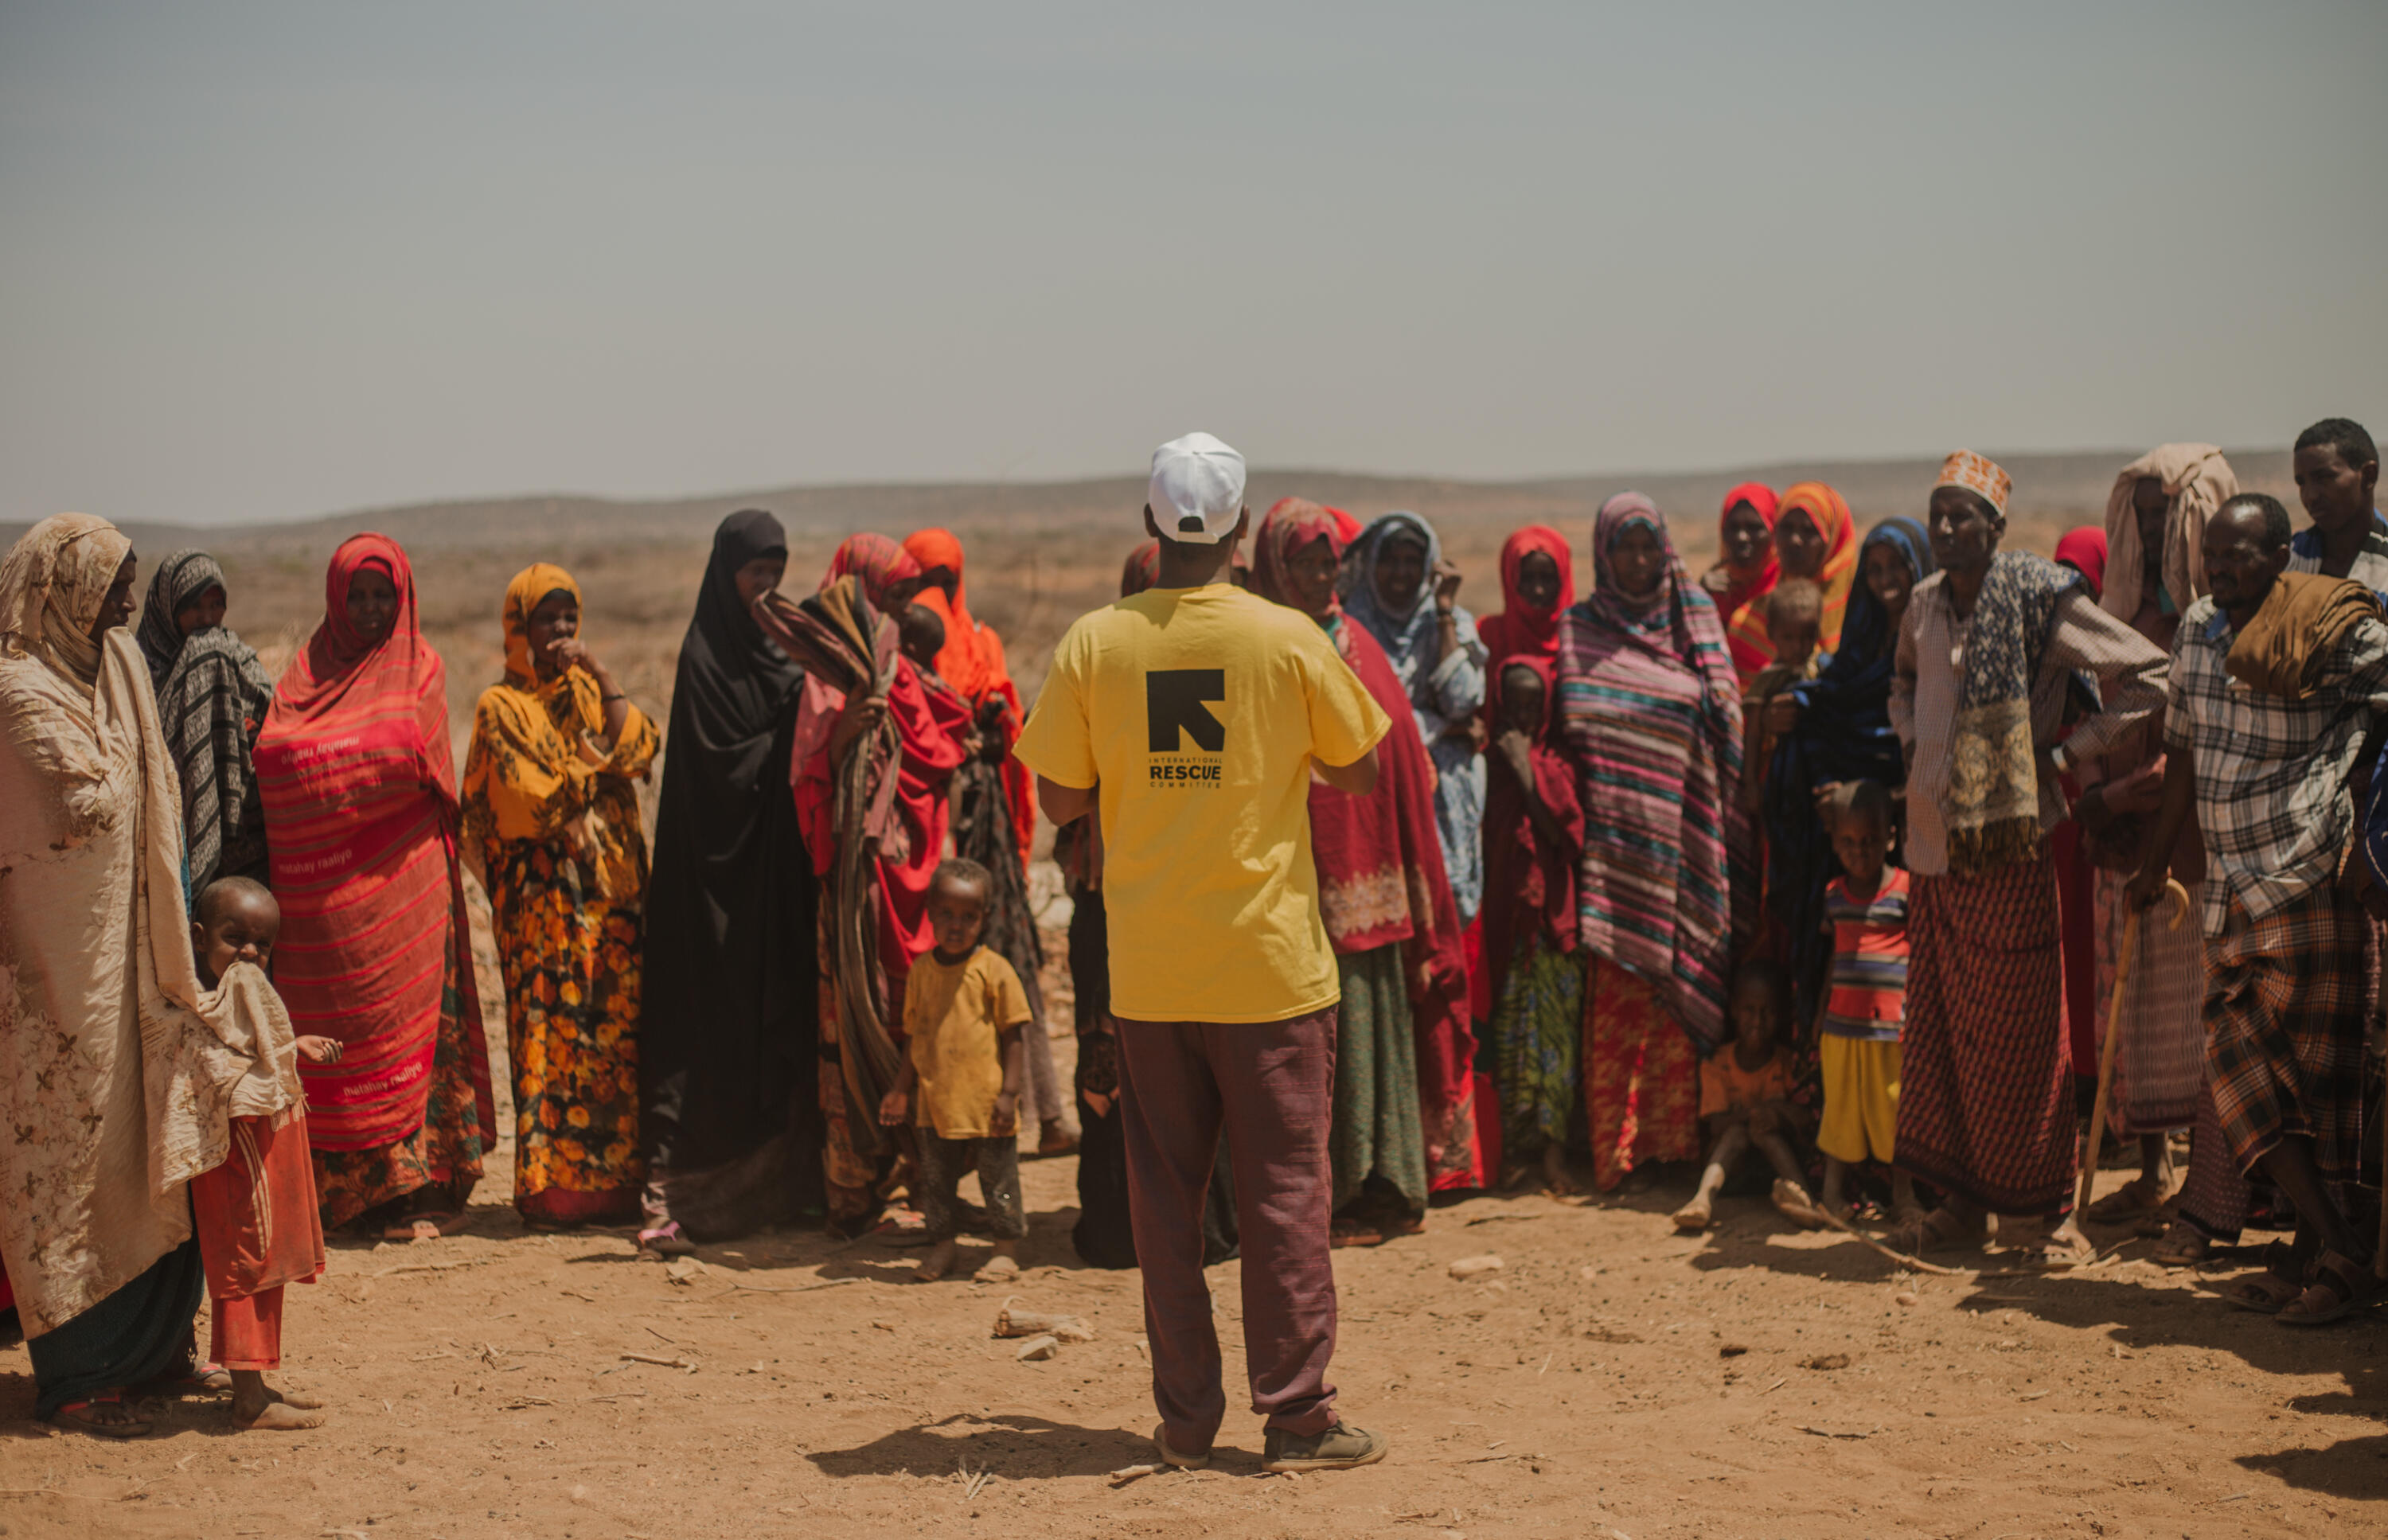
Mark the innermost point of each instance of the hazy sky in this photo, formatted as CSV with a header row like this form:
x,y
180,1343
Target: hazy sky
x,y
266,261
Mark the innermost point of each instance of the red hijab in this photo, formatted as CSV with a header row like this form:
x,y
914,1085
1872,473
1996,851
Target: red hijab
x,y
1518,630
359,782
1760,575
2084,550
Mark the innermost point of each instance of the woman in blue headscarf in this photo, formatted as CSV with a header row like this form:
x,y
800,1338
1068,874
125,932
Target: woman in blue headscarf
x,y
1400,588
1834,728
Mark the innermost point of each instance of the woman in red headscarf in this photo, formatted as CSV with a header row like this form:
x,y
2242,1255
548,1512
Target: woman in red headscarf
x,y
1537,584
359,782
1746,566
995,803
1404,1048
931,729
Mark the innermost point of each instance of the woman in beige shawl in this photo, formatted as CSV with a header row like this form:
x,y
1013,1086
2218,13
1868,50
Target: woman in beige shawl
x,y
2156,569
118,1075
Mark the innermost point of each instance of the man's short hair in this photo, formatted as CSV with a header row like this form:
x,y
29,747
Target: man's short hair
x,y
223,890
2343,434
962,869
1796,600
2274,528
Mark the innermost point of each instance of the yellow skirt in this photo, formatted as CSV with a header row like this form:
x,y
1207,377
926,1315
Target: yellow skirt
x,y
1861,1099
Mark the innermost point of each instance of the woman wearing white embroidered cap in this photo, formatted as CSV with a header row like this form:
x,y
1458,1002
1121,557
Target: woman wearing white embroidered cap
x,y
1188,717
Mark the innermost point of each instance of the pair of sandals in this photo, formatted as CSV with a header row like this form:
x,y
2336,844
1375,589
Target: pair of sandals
x,y
2335,1285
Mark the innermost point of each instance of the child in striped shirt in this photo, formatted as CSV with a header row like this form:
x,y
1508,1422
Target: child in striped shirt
x,y
1865,913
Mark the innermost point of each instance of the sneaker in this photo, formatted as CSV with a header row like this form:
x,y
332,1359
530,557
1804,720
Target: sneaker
x,y
1340,1447
1171,1457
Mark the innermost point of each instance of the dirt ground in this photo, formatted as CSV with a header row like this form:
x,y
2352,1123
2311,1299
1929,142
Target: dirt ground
x,y
1610,1379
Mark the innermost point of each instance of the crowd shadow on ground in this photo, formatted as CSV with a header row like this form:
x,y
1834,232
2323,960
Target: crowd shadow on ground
x,y
1022,1446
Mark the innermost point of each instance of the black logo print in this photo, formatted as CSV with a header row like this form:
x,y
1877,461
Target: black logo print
x,y
1174,702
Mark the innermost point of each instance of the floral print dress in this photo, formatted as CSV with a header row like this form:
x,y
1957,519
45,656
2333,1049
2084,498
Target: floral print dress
x,y
565,864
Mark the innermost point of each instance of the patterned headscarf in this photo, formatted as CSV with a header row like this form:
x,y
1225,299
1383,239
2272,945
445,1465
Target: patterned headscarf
x,y
180,578
1411,636
1291,523
1649,713
877,560
1992,801
52,586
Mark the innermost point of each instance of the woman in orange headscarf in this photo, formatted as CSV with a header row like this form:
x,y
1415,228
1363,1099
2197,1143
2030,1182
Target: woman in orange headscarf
x,y
1814,538
552,820
973,661
359,782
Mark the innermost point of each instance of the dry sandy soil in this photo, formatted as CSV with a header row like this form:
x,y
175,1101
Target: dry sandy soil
x,y
1610,1379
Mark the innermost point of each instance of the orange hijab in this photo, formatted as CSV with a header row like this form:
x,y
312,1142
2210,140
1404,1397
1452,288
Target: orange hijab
x,y
1829,512
972,660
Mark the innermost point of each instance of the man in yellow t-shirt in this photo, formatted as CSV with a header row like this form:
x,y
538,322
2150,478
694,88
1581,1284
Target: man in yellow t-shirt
x,y
1190,719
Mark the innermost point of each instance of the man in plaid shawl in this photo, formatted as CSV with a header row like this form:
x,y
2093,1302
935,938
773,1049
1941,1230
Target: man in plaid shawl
x,y
1996,652
2277,677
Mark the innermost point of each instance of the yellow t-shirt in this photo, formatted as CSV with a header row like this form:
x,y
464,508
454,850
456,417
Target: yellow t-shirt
x,y
1198,713
955,1012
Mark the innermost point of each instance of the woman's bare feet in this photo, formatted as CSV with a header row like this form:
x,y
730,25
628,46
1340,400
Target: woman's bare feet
x,y
258,1408
935,1265
1695,1215
1558,1180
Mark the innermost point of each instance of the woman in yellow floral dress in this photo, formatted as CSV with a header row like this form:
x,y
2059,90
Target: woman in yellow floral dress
x,y
551,815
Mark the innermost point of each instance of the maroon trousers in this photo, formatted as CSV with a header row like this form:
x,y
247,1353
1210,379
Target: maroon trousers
x,y
1271,1086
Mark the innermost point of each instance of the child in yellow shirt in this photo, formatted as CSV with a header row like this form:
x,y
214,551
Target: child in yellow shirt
x,y
963,1010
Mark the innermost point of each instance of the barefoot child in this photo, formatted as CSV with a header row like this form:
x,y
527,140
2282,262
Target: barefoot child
x,y
1533,836
964,1009
1865,913
1745,1101
256,1214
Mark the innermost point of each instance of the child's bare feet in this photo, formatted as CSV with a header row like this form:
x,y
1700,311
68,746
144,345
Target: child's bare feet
x,y
1556,1178
1792,1202
1694,1217
258,1408
1003,1267
939,1262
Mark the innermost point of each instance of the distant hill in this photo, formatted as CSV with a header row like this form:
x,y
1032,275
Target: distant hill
x,y
2049,489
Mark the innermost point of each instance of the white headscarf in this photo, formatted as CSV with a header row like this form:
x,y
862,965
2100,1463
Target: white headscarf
x,y
2197,480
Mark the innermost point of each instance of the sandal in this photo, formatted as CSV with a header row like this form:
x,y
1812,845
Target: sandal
x,y
2184,1245
75,1414
1354,1232
666,1242
2341,1286
429,1225
2265,1293
1936,1228
2126,1203
2057,1254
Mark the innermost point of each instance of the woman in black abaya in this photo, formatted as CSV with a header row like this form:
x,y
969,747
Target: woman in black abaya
x,y
727,1036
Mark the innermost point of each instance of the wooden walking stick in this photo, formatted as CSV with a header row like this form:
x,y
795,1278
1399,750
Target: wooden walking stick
x,y
2180,897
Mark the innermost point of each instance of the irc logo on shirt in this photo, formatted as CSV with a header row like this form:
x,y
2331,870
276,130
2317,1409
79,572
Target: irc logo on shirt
x,y
1176,708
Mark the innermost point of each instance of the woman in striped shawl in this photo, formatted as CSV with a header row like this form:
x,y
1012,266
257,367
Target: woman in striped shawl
x,y
211,699
1649,713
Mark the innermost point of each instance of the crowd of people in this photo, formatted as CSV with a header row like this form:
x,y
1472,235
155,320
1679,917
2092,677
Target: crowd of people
x,y
1861,871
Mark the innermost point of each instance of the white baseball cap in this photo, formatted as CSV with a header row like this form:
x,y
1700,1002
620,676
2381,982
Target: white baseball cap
x,y
1197,489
